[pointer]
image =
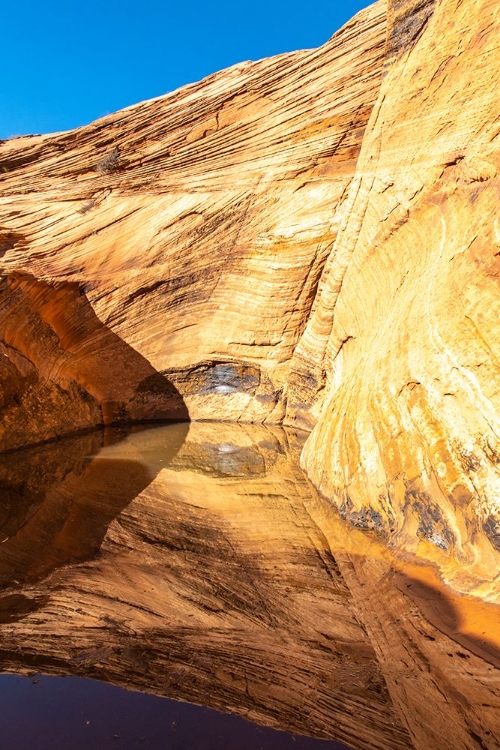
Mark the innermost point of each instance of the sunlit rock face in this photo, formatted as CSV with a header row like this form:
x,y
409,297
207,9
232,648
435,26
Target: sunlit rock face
x,y
193,228
197,562
311,240
407,332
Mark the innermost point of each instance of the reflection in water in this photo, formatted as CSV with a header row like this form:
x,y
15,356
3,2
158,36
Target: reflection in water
x,y
59,500
196,562
74,713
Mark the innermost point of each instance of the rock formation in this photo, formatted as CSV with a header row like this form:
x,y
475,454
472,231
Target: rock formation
x,y
406,325
183,237
311,240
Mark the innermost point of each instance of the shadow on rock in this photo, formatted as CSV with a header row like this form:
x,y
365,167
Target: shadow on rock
x,y
63,369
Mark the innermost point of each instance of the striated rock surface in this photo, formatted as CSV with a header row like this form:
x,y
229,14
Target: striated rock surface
x,y
223,578
310,239
405,331
193,229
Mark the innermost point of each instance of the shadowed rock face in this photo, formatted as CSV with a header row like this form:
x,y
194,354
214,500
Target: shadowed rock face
x,y
203,566
309,240
61,368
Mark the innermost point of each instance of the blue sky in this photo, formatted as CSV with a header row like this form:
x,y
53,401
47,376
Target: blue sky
x,y
65,63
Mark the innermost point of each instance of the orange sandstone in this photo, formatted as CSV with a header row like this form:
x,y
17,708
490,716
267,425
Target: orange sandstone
x,y
310,240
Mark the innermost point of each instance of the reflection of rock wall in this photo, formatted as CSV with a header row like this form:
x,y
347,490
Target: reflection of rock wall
x,y
230,582
27,477
310,239
57,501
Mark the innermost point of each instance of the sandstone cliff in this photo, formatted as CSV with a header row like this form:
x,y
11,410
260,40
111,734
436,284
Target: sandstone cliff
x,y
183,237
405,332
310,239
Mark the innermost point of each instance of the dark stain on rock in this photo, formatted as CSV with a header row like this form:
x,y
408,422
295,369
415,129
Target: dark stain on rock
x,y
407,20
217,378
492,530
432,524
491,452
470,462
367,518
15,607
230,378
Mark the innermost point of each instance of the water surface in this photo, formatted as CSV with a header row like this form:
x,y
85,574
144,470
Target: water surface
x,y
196,562
74,713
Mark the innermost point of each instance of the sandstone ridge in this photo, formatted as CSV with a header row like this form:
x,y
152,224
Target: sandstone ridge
x,y
310,239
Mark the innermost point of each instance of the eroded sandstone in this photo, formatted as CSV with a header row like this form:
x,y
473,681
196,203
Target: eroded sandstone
x,y
409,330
195,227
310,239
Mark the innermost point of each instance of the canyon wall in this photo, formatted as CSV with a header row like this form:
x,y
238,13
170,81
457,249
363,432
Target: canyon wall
x,y
310,239
405,333
191,230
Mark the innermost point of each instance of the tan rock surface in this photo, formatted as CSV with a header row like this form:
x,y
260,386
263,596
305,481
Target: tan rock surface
x,y
195,226
310,239
223,578
406,326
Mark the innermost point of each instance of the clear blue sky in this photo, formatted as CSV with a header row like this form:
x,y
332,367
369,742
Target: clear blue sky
x,y
64,64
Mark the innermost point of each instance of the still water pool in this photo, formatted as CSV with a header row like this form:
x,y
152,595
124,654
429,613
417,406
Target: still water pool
x,y
146,573
73,713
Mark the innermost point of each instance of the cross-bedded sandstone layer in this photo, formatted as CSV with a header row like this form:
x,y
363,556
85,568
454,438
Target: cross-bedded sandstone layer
x,y
405,331
310,239
185,235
